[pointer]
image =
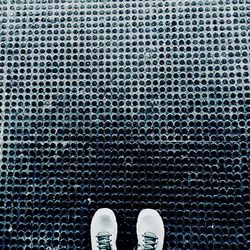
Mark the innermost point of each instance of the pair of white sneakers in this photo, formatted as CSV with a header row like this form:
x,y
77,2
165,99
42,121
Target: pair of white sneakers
x,y
149,227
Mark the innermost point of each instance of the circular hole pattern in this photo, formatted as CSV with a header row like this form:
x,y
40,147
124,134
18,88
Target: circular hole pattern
x,y
125,104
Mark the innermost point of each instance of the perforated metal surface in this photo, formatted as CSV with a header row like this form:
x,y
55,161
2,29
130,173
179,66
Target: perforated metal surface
x,y
124,104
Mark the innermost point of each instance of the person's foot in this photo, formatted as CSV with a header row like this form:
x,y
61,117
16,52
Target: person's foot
x,y
150,230
104,230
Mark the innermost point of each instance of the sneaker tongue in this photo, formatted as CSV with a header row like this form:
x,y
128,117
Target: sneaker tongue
x,y
103,234
104,241
150,241
150,234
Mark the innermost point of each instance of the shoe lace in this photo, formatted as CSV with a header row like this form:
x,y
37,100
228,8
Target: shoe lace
x,y
150,241
104,241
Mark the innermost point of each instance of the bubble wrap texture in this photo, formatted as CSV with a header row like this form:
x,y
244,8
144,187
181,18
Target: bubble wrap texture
x,y
126,104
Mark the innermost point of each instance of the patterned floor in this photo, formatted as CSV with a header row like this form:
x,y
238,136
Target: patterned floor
x,y
126,104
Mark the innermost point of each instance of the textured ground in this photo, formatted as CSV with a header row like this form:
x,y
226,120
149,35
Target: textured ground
x,y
125,104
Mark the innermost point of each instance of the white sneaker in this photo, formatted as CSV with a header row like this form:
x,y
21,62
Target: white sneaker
x,y
150,230
103,230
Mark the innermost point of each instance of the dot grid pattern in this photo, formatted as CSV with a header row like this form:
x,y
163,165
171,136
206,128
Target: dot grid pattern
x,y
125,104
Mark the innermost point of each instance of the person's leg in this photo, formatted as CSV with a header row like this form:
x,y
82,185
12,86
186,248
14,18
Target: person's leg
x,y
104,230
150,230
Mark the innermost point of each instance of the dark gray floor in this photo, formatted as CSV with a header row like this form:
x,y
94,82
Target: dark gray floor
x,y
127,105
